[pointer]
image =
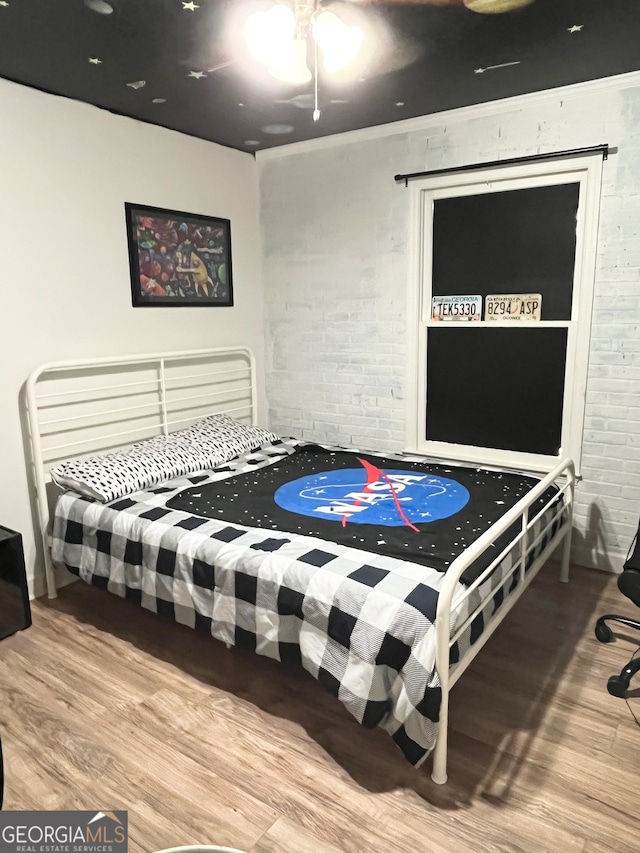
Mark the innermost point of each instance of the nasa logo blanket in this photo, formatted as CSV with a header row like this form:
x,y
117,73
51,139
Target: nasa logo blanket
x,y
422,512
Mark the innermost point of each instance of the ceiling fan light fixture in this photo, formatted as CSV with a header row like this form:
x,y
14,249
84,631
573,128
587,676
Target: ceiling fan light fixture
x,y
495,7
339,42
280,38
269,35
291,66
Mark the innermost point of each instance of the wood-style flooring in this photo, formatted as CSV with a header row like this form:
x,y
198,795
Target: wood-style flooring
x,y
106,706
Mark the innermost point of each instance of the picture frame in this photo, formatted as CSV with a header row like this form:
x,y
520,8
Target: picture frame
x,y
178,259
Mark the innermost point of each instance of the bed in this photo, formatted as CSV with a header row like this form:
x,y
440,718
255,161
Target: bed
x,y
293,549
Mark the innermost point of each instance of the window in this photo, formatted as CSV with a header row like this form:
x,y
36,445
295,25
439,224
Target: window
x,y
502,391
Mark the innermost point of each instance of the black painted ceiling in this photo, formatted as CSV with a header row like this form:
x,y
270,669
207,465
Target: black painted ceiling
x,y
178,64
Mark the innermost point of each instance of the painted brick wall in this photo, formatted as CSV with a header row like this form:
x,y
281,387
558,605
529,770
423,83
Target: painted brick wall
x,y
335,230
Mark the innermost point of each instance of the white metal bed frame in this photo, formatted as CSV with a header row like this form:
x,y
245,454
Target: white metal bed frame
x,y
149,390
103,404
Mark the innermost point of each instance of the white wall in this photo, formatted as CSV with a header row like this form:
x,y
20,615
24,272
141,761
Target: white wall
x,y
66,171
335,243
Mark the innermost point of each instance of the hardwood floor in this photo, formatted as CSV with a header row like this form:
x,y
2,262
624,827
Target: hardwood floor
x,y
106,706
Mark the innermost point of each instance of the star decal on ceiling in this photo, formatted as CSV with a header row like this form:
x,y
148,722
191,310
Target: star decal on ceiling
x,y
95,61
221,65
197,74
575,28
137,85
191,6
493,67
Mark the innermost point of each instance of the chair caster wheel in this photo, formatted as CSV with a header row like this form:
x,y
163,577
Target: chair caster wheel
x,y
617,686
603,632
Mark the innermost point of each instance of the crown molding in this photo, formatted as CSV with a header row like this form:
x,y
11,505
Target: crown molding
x,y
603,84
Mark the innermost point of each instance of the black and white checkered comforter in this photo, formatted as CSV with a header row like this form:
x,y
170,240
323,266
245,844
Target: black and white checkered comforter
x,y
341,613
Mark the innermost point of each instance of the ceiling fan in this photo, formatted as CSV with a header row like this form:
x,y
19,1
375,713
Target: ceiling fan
x,y
278,36
293,39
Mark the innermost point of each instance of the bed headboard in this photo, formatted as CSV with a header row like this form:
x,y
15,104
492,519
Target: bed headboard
x,y
78,408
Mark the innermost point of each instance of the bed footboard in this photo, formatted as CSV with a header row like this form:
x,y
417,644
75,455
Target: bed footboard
x,y
556,531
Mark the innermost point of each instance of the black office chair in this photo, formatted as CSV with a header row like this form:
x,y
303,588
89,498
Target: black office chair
x,y
629,585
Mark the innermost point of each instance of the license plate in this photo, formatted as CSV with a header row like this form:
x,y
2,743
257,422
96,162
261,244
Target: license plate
x,y
450,308
513,306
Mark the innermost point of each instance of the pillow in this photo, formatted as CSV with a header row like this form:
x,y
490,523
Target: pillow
x,y
205,444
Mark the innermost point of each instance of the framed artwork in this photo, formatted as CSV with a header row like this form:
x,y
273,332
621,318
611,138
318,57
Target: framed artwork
x,y
178,258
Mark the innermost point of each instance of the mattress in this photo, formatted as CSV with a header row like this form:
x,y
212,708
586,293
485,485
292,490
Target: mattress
x,y
360,621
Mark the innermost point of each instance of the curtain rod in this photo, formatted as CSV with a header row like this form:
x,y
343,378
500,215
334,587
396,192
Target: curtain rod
x,y
530,159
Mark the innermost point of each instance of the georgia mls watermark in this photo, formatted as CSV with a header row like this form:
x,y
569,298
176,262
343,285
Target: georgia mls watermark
x,y
63,832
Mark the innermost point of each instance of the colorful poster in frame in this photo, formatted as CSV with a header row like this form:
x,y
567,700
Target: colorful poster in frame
x,y
178,259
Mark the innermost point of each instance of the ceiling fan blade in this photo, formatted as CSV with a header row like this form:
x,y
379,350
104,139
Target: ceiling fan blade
x,y
413,2
484,7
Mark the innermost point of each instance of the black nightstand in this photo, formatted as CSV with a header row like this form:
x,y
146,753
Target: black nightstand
x,y
15,610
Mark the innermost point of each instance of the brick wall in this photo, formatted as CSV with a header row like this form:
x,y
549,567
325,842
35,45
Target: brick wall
x,y
335,230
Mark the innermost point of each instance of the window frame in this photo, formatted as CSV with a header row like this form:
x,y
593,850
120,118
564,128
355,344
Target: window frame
x,y
586,170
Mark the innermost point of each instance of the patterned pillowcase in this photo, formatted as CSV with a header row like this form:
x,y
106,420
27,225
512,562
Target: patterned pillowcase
x,y
205,444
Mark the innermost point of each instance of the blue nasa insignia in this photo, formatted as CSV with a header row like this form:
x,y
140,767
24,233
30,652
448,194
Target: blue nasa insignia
x,y
372,495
